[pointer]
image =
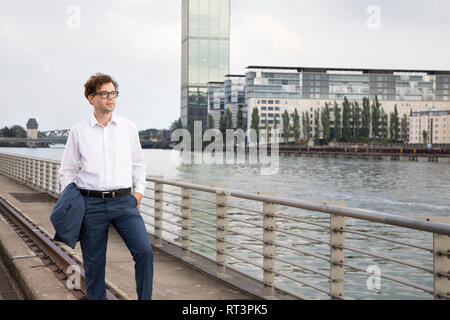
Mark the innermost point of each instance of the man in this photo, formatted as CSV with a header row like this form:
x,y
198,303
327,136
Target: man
x,y
104,158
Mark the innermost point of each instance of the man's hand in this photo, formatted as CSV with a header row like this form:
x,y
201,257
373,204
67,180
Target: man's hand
x,y
138,196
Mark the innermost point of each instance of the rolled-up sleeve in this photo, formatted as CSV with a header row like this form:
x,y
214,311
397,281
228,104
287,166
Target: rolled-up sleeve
x,y
139,165
70,162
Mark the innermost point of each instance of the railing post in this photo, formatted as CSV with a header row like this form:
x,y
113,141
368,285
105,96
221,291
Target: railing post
x,y
8,165
14,163
337,239
11,166
28,179
41,176
221,231
269,249
159,189
185,221
17,164
22,169
441,264
55,182
48,175
34,173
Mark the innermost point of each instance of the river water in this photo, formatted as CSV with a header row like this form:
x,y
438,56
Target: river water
x,y
403,188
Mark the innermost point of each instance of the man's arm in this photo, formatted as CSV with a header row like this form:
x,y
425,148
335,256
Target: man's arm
x,y
139,166
70,161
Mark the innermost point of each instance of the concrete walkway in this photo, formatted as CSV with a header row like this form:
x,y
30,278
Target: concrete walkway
x,y
173,280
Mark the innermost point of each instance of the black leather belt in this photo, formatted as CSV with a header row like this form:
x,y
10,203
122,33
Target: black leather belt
x,y
105,194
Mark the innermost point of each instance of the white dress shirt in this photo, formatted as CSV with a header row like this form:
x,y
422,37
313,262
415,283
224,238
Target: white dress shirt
x,y
103,158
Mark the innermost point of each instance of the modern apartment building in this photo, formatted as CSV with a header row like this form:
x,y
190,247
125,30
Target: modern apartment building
x,y
429,127
272,90
205,54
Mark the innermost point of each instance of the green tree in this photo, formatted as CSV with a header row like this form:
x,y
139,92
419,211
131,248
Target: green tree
x,y
255,123
296,126
395,125
326,124
317,127
366,120
210,121
7,132
308,126
266,127
286,126
223,124
337,123
240,119
356,121
19,131
404,128
376,118
176,124
346,120
304,125
228,119
425,136
384,130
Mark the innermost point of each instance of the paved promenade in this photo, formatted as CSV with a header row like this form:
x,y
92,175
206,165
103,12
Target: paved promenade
x,y
173,280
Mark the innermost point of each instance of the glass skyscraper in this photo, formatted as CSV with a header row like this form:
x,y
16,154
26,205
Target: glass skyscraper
x,y
205,55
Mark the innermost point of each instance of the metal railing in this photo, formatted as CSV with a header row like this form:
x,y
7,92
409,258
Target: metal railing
x,y
304,248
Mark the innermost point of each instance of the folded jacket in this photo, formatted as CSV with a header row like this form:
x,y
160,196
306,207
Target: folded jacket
x,y
67,216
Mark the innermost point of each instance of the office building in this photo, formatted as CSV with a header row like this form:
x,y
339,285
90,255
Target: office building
x,y
205,54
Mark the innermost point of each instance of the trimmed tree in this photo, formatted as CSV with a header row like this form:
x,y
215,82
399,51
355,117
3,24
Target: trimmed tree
x,y
346,120
337,122
356,121
326,124
404,128
240,119
286,126
317,127
384,125
255,123
210,121
376,118
296,126
365,130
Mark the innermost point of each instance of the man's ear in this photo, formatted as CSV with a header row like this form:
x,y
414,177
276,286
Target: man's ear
x,y
90,99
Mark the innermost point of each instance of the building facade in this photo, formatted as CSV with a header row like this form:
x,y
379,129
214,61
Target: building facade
x,y
205,54
429,127
229,94
272,90
32,129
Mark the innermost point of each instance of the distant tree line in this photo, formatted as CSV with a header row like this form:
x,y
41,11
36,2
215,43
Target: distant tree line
x,y
13,132
352,123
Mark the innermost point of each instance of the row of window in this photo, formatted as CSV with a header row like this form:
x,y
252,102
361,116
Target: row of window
x,y
270,108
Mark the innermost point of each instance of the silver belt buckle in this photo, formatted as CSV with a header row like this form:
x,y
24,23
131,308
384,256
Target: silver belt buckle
x,y
103,194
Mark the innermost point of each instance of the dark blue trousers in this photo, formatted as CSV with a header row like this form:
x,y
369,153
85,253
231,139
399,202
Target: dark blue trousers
x,y
123,214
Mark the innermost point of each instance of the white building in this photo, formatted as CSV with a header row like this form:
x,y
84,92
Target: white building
x,y
435,124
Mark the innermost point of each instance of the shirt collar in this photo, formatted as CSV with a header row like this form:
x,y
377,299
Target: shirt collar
x,y
93,119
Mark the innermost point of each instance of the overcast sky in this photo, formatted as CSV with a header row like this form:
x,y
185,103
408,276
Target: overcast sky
x,y
46,56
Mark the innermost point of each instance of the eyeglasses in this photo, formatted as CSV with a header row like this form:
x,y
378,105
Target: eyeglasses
x,y
106,94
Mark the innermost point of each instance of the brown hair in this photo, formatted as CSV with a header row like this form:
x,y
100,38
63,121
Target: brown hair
x,y
96,81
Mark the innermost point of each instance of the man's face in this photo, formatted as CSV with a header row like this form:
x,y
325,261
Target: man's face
x,y
104,105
